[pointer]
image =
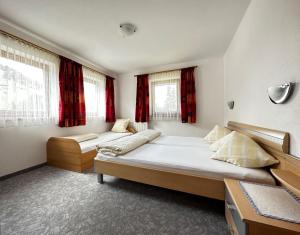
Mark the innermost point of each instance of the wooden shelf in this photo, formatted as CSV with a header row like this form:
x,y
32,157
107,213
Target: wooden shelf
x,y
288,179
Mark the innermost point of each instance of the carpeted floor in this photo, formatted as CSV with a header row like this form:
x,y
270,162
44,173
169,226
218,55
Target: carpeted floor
x,y
54,201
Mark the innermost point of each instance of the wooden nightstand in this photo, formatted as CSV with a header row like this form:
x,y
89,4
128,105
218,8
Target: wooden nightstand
x,y
242,218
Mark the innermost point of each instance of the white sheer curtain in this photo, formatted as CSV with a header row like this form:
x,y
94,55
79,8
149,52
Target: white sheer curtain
x,y
94,94
29,86
165,95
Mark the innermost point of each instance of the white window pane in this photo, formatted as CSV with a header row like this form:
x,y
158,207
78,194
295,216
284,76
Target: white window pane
x,y
94,93
90,97
22,88
166,98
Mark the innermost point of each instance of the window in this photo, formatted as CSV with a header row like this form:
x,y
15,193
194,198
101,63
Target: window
x,y
28,84
164,95
94,94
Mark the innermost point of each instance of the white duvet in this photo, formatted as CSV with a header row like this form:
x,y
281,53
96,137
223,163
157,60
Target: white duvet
x,y
179,141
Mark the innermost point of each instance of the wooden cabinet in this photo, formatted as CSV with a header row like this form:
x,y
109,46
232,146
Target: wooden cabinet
x,y
236,224
242,218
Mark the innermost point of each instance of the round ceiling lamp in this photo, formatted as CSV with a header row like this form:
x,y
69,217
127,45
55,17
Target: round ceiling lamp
x,y
127,29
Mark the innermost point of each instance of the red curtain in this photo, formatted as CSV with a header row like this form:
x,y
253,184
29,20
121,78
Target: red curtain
x,y
71,101
110,99
188,96
142,99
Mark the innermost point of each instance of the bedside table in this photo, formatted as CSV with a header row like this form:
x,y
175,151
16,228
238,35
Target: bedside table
x,y
242,218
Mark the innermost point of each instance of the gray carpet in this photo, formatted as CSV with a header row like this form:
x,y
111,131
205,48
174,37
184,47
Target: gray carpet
x,y
54,201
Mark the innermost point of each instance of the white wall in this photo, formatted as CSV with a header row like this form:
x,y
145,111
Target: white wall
x,y
26,146
210,98
265,51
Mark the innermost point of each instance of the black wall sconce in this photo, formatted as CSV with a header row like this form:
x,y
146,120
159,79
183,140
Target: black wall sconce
x,y
230,104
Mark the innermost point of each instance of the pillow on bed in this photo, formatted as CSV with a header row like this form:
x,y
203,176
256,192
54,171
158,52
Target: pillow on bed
x,y
215,134
241,150
217,144
120,125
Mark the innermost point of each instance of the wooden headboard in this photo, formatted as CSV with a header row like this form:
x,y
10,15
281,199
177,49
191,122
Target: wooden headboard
x,y
276,143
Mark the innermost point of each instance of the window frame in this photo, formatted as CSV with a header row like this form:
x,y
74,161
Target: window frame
x,y
164,115
31,117
97,80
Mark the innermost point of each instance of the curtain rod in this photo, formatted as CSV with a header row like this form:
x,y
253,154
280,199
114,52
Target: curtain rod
x,y
43,49
165,71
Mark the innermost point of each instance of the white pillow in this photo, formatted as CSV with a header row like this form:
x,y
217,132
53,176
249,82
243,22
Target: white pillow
x,y
120,125
217,133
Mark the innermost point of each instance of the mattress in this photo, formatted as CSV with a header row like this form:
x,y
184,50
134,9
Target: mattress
x,y
179,141
89,145
192,159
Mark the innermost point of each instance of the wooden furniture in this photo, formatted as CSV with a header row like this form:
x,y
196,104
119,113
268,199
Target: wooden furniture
x,y
275,142
288,179
179,180
243,219
65,153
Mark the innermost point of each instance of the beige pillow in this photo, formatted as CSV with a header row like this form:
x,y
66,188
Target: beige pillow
x,y
215,134
120,125
241,150
217,144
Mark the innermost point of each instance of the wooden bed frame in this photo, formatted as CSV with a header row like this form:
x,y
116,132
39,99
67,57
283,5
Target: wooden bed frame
x,y
274,142
65,153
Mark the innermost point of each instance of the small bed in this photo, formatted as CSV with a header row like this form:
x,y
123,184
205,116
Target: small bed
x,y
69,154
160,163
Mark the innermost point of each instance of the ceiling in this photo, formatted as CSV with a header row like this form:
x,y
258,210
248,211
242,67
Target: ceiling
x,y
169,31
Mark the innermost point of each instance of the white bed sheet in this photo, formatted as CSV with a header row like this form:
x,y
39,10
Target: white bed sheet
x,y
180,141
89,145
191,158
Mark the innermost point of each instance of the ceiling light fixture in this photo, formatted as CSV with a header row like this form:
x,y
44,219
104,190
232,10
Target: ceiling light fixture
x,y
127,29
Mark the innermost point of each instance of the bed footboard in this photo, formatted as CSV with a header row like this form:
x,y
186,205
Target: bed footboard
x,y
66,154
176,180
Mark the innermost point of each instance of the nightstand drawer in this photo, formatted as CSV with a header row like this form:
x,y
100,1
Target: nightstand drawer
x,y
239,227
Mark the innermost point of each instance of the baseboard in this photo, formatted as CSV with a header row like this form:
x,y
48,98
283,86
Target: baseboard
x,y
22,171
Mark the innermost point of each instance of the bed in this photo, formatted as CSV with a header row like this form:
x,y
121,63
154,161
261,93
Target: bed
x,y
196,160
160,163
68,154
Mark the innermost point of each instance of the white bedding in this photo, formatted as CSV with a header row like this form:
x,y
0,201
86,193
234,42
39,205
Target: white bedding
x,y
128,143
179,141
195,159
89,145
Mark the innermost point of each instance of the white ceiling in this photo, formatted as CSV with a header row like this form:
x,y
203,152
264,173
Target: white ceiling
x,y
169,31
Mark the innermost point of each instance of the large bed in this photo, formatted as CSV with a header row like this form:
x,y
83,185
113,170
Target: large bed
x,y
190,155
184,163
